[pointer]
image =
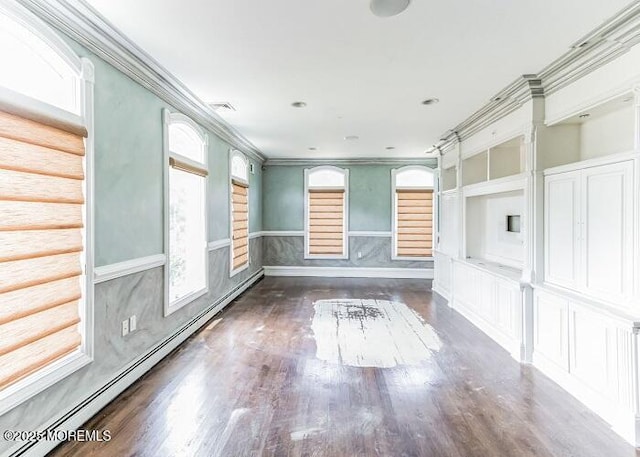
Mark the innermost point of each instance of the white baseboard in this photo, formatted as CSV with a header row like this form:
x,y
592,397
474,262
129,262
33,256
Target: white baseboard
x,y
512,345
350,272
442,292
81,413
624,422
117,270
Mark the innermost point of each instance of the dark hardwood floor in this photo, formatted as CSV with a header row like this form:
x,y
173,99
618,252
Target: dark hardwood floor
x,y
272,375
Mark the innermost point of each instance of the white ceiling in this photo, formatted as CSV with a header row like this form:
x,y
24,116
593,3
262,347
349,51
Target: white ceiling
x,y
359,74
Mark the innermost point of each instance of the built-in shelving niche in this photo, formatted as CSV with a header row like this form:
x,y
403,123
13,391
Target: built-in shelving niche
x,y
494,228
604,130
500,161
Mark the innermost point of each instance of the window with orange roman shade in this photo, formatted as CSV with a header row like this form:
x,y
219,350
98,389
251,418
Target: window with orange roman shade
x,y
239,211
413,212
42,182
326,212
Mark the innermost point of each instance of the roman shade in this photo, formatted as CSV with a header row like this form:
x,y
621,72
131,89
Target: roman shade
x,y
41,244
240,223
414,222
326,221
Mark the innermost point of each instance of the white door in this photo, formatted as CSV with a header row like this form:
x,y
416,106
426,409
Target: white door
x,y
562,229
607,231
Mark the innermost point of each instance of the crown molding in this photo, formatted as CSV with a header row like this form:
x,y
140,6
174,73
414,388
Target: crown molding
x,y
85,25
428,161
610,40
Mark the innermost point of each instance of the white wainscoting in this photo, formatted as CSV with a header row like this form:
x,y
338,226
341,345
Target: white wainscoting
x,y
442,274
492,303
590,353
350,272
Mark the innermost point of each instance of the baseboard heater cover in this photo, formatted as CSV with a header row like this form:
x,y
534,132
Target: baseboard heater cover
x,y
75,417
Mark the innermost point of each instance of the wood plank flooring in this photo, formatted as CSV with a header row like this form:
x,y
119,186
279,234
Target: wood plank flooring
x,y
275,375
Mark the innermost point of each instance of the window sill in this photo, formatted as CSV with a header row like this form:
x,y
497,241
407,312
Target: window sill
x,y
325,257
417,259
184,301
35,383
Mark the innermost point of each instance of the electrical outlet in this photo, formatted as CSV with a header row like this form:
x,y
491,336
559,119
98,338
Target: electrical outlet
x,y
359,254
133,323
125,327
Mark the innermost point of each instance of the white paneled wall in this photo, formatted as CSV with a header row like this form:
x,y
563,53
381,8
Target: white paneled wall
x,y
564,292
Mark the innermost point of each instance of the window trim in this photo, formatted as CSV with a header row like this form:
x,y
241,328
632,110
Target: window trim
x,y
235,153
169,118
25,106
394,213
345,227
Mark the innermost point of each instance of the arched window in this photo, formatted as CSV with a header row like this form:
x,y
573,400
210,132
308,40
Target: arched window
x,y
412,212
46,112
239,172
186,277
326,215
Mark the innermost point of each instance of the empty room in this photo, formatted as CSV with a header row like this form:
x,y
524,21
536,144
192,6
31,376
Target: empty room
x,y
379,228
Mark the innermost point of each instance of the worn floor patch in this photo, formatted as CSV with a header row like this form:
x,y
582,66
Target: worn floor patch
x,y
371,333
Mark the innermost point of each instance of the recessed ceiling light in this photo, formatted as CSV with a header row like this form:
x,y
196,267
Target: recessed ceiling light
x,y
312,149
222,106
298,104
389,148
351,137
388,8
584,116
430,101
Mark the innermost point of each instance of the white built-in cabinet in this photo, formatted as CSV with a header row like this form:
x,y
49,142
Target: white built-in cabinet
x,y
563,292
589,231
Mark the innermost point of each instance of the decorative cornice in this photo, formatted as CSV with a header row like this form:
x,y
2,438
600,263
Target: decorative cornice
x,y
84,24
613,38
429,161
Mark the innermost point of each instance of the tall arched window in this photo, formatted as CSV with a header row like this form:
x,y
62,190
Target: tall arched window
x,y
239,166
186,276
412,212
46,128
326,215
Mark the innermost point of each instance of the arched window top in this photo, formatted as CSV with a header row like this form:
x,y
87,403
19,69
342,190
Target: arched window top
x,y
239,166
413,177
37,63
186,138
327,176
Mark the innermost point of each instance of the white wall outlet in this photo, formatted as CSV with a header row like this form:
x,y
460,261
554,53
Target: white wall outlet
x,y
359,254
125,327
133,323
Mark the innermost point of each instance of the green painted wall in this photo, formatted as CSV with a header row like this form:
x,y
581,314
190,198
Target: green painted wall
x,y
283,198
369,197
128,171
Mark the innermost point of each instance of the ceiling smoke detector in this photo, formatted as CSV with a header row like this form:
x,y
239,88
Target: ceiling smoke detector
x,y
388,8
351,137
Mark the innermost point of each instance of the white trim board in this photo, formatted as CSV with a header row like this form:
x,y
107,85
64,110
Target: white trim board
x,y
283,233
350,272
371,233
117,270
218,244
81,413
253,235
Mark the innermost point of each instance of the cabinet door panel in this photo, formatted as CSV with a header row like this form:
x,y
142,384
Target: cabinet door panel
x,y
562,207
607,230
